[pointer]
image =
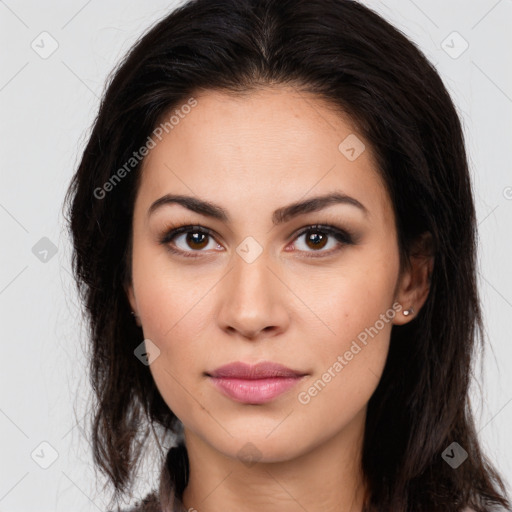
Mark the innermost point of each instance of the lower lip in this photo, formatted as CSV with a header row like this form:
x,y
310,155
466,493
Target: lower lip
x,y
255,391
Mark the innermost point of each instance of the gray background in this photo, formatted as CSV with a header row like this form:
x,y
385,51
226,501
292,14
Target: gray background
x,y
48,103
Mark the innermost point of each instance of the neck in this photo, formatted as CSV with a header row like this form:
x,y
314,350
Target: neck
x,y
326,477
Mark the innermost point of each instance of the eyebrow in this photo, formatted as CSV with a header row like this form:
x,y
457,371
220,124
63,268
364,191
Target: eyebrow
x,y
280,216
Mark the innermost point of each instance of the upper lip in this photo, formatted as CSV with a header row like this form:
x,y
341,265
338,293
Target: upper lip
x,y
263,370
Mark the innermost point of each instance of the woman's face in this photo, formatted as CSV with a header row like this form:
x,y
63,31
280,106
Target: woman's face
x,y
257,289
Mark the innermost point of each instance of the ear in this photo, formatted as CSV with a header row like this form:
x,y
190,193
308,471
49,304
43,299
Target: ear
x,y
414,283
128,288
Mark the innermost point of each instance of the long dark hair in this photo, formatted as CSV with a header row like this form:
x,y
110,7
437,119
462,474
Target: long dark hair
x,y
346,54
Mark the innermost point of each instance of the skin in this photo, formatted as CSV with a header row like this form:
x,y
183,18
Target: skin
x,y
252,155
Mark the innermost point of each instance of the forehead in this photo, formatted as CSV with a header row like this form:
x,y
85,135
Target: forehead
x,y
270,146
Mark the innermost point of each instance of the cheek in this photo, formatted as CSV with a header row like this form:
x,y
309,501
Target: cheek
x,y
170,297
352,340
174,320
349,298
174,312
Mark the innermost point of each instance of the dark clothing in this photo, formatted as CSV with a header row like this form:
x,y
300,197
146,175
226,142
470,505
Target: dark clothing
x,y
170,490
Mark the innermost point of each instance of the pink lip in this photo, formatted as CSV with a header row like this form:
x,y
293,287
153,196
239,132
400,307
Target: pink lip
x,y
254,384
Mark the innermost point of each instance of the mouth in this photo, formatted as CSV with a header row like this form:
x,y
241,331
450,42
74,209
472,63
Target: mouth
x,y
254,384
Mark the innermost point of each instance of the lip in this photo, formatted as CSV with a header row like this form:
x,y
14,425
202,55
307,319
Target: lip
x,y
254,384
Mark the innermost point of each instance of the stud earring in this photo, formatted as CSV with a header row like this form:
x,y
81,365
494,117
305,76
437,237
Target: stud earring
x,y
408,312
136,318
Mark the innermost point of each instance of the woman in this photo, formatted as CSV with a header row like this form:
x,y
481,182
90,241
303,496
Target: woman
x,y
274,238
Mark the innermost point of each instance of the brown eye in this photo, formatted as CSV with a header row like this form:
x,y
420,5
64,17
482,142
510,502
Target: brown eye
x,y
187,240
196,239
318,237
315,239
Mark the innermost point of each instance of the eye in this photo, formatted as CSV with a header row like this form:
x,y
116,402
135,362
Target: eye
x,y
189,237
318,236
187,240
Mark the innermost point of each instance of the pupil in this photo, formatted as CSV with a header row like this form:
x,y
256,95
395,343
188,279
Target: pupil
x,y
318,240
192,237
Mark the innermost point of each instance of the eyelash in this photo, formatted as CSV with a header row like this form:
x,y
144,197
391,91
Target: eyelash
x,y
343,236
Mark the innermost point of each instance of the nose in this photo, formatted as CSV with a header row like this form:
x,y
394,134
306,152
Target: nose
x,y
253,300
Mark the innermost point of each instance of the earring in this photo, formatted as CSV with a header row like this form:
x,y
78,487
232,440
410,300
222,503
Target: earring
x,y
137,321
408,312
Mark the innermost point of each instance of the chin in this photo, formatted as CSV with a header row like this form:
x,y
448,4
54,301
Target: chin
x,y
257,448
